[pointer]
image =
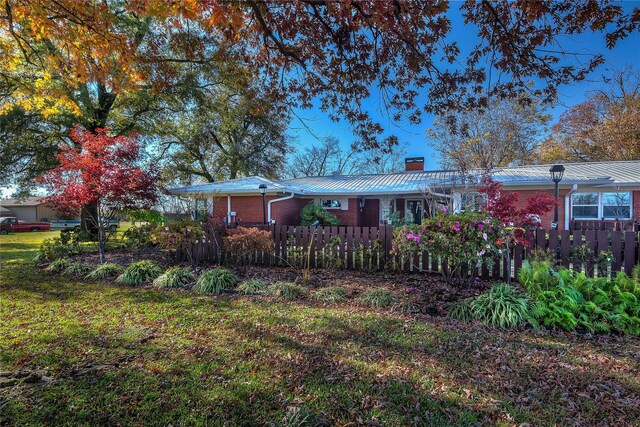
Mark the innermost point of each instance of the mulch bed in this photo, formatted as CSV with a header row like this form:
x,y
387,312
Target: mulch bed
x,y
429,293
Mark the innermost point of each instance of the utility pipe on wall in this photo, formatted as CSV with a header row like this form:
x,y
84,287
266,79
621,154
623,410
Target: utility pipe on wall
x,y
290,196
567,199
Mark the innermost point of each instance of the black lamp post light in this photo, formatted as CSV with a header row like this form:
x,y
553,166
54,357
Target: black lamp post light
x,y
263,191
557,172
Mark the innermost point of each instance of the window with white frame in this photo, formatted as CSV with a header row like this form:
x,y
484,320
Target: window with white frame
x,y
585,206
593,205
331,203
616,205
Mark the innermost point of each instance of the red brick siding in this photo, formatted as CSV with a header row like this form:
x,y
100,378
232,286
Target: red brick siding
x,y
349,217
547,219
287,212
636,205
415,166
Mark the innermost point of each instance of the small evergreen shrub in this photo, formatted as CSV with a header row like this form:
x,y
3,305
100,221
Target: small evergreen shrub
x,y
60,247
59,265
76,269
287,290
139,273
378,298
251,286
312,213
331,295
138,237
105,271
175,277
215,280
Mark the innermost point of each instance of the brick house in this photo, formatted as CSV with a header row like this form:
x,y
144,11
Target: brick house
x,y
589,192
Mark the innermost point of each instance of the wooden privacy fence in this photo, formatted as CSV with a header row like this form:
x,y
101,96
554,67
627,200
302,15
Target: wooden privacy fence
x,y
369,248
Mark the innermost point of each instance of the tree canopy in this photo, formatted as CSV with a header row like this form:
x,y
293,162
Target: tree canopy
x,y
604,127
90,63
506,132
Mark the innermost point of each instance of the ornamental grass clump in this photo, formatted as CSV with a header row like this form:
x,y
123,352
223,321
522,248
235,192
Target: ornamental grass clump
x,y
105,271
287,290
139,273
502,306
251,286
175,277
378,298
76,269
215,281
59,265
331,295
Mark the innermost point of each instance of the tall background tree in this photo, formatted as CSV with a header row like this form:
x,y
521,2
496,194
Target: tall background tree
x,y
604,127
235,130
331,157
508,131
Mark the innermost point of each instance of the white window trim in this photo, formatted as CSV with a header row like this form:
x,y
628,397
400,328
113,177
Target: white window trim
x,y
601,206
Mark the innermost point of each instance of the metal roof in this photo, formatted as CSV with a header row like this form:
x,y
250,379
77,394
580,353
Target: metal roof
x,y
246,185
27,201
600,173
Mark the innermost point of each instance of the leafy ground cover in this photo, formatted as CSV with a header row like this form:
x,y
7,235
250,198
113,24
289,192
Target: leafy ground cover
x,y
82,353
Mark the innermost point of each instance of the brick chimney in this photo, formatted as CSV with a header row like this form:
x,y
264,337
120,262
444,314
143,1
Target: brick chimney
x,y
414,164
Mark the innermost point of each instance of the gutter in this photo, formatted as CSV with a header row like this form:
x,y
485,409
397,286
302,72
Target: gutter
x,y
290,196
567,199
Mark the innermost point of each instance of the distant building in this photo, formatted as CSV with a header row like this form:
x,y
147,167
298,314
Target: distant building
x,y
29,209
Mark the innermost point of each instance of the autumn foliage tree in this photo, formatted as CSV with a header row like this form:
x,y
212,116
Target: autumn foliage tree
x,y
604,127
102,171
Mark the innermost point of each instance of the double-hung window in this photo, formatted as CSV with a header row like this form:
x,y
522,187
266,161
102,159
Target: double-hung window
x,y
616,205
593,205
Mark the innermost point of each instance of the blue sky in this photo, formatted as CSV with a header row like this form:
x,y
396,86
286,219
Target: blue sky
x,y
625,54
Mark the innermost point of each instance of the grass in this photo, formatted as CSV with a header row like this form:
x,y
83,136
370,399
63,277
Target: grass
x,y
125,356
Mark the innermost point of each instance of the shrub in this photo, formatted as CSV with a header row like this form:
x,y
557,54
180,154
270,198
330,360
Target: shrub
x,y
215,281
139,273
312,213
105,271
175,277
76,269
59,247
331,295
286,290
466,241
378,298
251,286
138,237
244,243
59,265
502,306
178,236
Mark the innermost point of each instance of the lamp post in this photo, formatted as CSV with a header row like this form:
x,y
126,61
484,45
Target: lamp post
x,y
556,171
263,191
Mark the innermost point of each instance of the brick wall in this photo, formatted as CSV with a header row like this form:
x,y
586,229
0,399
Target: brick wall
x,y
350,216
548,218
636,205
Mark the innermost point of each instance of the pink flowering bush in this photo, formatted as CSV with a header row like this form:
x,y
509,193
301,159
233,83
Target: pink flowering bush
x,y
179,236
464,241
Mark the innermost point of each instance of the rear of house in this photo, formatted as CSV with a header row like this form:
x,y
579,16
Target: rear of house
x,y
591,195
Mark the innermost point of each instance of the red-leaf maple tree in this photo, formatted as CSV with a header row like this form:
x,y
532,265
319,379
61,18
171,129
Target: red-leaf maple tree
x,y
101,171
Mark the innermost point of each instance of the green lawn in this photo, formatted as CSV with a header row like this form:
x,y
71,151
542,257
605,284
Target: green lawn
x,y
125,356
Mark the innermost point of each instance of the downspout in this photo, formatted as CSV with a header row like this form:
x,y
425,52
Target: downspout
x,y
228,209
567,198
276,200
